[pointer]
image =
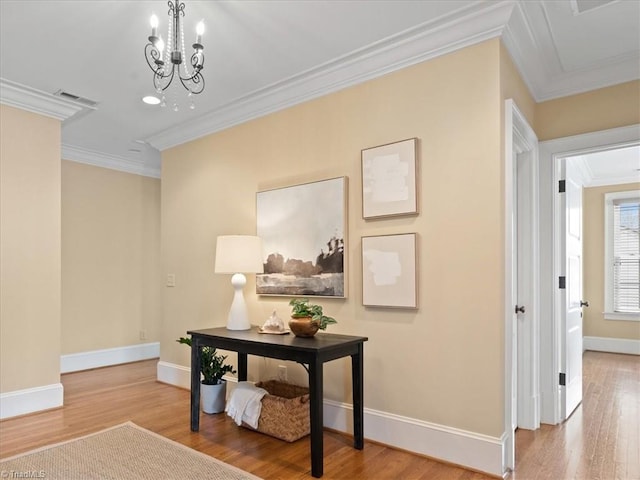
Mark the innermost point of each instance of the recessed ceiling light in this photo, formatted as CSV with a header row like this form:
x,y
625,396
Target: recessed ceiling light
x,y
151,100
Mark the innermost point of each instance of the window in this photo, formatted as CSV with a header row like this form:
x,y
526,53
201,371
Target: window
x,y
622,255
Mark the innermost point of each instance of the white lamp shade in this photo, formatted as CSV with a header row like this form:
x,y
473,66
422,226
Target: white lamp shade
x,y
239,254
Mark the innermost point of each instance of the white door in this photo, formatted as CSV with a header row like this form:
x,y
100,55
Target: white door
x,y
525,304
514,300
571,358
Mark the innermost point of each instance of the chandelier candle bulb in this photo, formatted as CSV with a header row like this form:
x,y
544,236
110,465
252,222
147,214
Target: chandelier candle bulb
x,y
199,32
154,25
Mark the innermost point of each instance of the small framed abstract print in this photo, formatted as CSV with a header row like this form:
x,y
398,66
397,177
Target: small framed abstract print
x,y
389,180
389,271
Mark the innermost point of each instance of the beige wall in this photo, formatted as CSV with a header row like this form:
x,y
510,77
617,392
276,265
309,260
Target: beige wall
x,y
79,254
513,87
110,258
594,323
442,363
29,250
612,107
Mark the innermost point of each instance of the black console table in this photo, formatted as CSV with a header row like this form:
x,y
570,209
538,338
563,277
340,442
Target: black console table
x,y
314,352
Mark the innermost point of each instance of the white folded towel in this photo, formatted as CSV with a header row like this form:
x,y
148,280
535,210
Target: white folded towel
x,y
245,404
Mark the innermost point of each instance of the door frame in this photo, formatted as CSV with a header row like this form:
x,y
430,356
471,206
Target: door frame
x,y
519,366
551,153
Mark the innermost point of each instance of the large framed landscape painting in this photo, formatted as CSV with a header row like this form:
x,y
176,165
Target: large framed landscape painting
x,y
303,230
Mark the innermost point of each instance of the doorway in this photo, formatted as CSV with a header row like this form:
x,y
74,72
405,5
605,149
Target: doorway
x,y
521,278
554,350
538,362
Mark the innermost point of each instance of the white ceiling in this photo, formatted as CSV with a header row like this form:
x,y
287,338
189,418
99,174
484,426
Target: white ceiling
x,y
262,56
611,167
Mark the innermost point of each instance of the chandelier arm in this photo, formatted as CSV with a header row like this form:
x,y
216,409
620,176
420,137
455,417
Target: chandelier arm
x,y
197,60
153,57
161,74
158,79
194,84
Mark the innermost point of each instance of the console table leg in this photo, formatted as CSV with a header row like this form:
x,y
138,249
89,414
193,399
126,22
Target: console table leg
x,y
242,367
195,386
357,380
316,418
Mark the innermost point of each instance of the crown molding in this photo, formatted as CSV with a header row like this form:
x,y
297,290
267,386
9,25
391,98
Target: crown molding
x,y
576,82
473,24
30,99
606,181
536,59
105,160
26,98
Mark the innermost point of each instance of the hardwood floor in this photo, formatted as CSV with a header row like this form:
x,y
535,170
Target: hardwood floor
x,y
599,441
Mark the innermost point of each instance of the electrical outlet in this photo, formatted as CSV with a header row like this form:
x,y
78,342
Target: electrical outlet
x,y
282,373
143,335
171,279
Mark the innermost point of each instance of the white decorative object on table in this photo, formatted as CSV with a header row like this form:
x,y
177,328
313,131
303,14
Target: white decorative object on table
x,y
274,324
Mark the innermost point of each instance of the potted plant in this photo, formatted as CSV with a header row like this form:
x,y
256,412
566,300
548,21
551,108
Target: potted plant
x,y
307,318
213,390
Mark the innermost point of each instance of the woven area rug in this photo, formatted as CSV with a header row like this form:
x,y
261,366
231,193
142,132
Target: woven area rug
x,y
125,451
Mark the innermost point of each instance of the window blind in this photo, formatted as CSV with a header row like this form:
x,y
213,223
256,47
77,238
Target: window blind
x,y
626,255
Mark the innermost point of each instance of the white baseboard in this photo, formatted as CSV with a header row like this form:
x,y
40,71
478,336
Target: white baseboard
x,y
21,402
181,376
174,374
611,345
75,362
468,449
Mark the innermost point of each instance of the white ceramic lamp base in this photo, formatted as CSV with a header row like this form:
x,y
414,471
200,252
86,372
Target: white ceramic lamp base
x,y
238,316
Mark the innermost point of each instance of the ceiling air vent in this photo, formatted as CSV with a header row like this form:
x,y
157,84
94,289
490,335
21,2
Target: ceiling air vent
x,y
581,6
75,98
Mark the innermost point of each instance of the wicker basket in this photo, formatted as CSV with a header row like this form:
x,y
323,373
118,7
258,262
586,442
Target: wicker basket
x,y
285,411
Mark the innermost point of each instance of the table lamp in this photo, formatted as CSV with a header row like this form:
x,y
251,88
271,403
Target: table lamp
x,y
238,254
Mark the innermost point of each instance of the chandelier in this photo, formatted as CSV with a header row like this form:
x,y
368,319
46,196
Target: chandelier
x,y
169,61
